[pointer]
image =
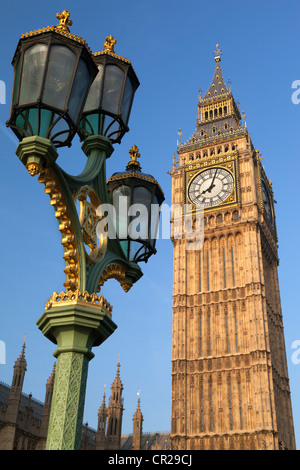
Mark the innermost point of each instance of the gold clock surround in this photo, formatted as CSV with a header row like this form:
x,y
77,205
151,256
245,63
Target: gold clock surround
x,y
229,163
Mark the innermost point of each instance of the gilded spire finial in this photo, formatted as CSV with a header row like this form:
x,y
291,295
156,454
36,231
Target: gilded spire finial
x,y
24,345
139,401
64,21
180,134
244,120
218,54
110,44
134,155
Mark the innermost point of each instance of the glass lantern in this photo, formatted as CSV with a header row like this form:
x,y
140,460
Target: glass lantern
x,y
107,108
53,72
137,198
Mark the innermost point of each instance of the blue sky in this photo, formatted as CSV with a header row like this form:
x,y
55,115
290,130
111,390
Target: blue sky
x,y
171,46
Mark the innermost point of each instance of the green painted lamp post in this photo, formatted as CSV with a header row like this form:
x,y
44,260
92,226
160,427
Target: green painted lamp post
x,y
60,89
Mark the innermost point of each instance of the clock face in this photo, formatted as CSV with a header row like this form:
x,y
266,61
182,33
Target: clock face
x,y
266,203
211,187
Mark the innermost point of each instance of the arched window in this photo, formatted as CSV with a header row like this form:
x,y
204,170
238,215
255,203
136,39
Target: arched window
x,y
235,215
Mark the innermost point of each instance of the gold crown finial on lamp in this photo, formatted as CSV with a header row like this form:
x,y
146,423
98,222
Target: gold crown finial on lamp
x,y
64,21
110,43
134,155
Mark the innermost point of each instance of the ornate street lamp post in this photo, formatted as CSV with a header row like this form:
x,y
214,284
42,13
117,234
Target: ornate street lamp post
x,y
61,88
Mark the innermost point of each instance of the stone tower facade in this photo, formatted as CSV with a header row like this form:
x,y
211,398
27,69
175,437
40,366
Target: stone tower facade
x,y
137,432
41,445
230,387
115,414
9,430
101,429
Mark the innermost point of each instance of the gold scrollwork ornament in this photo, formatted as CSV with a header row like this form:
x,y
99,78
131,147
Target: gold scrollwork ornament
x,y
89,219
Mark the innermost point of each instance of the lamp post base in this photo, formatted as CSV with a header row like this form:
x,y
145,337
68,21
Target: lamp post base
x,y
75,322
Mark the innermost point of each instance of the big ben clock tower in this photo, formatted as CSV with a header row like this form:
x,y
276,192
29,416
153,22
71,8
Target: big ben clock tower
x,y
230,387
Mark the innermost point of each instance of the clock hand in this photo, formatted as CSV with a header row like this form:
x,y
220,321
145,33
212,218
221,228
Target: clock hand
x,y
212,184
214,177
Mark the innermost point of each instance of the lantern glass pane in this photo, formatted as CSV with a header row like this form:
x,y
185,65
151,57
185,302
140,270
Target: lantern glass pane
x,y
142,202
121,201
60,130
155,213
143,196
16,81
33,72
125,245
113,81
111,128
39,121
134,249
79,90
94,96
59,76
127,98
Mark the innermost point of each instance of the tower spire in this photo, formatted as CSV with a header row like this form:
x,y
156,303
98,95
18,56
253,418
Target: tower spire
x,y
8,433
137,426
219,117
102,418
218,86
115,413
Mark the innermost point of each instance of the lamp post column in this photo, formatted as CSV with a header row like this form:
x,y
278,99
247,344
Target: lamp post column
x,y
76,322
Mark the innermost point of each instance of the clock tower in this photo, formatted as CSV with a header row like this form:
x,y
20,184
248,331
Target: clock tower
x,y
230,386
